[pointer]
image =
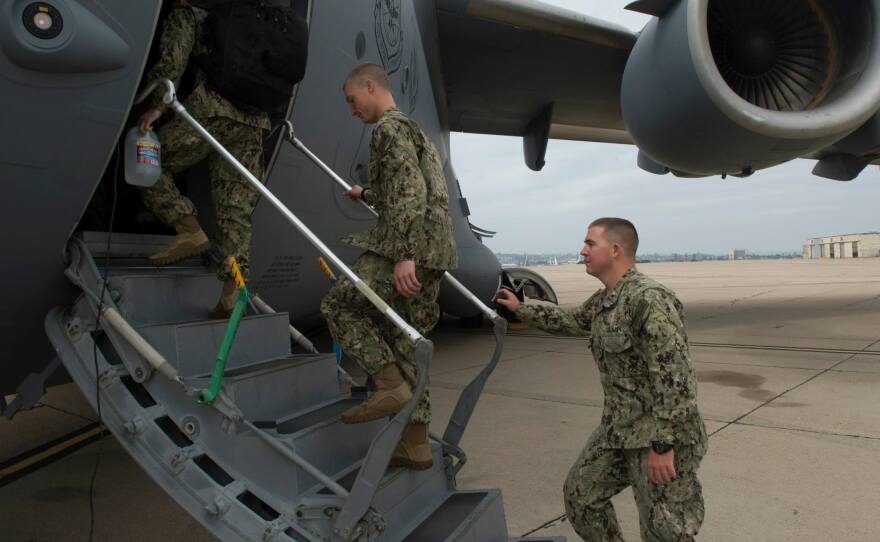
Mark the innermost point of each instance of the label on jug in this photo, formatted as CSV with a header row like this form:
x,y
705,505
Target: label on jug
x,y
147,152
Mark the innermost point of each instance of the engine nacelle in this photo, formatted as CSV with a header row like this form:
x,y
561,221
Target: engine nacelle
x,y
732,86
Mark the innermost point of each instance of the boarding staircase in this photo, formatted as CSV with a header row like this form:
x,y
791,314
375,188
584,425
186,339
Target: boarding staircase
x,y
269,460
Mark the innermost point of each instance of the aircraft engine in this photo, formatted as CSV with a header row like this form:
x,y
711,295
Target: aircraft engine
x,y
733,86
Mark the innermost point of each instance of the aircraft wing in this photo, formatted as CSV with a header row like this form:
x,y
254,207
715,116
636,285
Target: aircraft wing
x,y
524,68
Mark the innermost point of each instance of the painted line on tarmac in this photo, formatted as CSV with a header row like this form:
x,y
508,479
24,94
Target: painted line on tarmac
x,y
64,411
739,419
811,431
817,350
523,395
814,350
45,454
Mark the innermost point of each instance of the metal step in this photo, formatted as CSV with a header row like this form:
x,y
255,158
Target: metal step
x,y
129,252
277,389
146,297
320,436
405,497
465,516
123,245
192,347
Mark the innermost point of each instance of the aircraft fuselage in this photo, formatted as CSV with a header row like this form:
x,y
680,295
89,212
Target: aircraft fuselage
x,y
69,99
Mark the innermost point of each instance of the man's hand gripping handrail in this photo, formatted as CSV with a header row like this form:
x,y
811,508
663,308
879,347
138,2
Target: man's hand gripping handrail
x,y
169,96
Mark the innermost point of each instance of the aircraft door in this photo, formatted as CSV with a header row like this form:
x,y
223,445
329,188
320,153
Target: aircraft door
x,y
69,70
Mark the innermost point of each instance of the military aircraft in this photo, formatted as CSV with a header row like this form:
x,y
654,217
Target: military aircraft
x,y
708,87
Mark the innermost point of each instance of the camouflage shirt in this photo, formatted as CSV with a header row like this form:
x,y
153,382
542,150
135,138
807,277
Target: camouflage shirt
x,y
638,339
184,37
408,190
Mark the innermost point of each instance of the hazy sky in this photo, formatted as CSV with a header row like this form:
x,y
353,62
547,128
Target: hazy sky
x,y
773,210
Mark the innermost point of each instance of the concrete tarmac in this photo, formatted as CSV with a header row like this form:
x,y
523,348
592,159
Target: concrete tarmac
x,y
788,359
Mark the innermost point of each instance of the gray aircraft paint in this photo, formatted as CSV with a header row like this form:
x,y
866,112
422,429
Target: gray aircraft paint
x,y
61,121
60,135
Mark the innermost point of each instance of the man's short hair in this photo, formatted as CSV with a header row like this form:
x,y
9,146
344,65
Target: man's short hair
x,y
620,231
373,72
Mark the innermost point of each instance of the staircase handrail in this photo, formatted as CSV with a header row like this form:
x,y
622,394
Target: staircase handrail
x,y
379,455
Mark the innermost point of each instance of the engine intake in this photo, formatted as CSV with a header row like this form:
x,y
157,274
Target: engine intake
x,y
778,56
732,86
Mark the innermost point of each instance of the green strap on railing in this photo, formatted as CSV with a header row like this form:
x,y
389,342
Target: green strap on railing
x,y
210,393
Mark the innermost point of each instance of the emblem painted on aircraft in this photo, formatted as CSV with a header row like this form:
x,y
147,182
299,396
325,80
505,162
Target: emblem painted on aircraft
x,y
389,34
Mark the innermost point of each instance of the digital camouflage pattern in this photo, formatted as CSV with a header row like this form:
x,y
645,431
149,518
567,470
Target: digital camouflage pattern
x,y
367,336
670,512
234,198
408,190
183,39
638,339
639,342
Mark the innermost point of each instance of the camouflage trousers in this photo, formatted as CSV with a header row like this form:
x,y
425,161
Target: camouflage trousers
x,y
234,198
670,512
367,336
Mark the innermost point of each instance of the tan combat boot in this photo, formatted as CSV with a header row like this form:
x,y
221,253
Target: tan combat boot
x,y
413,451
189,241
391,395
228,296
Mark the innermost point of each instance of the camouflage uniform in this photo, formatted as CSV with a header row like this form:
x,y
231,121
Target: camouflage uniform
x,y
184,37
638,339
408,190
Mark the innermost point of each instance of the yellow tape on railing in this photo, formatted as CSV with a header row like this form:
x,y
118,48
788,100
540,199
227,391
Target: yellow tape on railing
x,y
236,272
326,268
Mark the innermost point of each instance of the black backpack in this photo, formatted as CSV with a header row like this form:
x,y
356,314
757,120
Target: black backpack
x,y
259,53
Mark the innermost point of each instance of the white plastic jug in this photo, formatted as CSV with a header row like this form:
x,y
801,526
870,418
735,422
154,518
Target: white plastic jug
x,y
143,158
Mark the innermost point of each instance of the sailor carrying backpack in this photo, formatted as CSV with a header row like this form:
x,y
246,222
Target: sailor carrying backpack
x,y
259,53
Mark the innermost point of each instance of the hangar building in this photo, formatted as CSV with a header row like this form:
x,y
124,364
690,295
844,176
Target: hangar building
x,y
852,245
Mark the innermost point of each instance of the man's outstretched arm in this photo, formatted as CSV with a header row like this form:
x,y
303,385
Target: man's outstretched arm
x,y
556,320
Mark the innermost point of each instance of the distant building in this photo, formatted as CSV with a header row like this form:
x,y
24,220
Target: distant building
x,y
853,245
737,254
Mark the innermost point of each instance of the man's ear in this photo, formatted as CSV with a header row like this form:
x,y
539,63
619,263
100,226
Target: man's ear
x,y
616,251
370,85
